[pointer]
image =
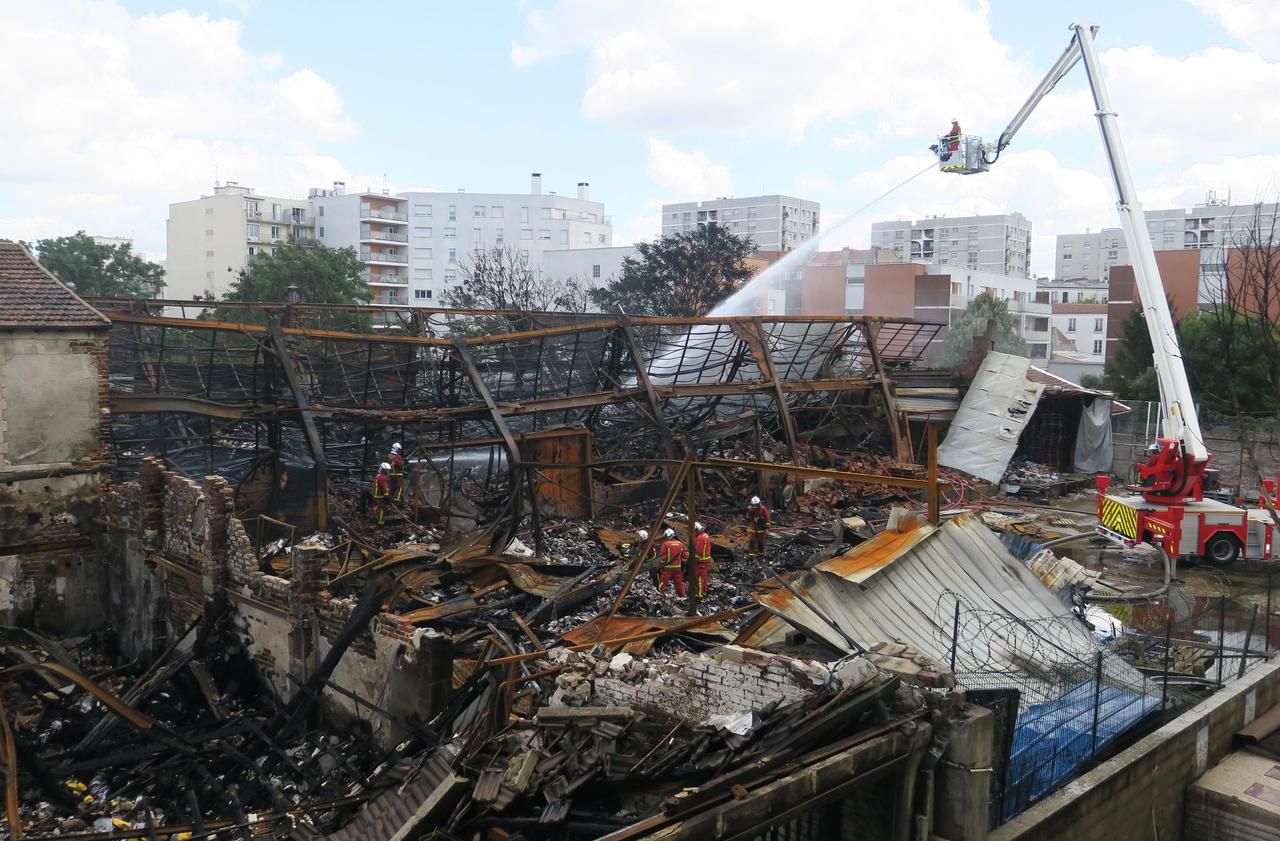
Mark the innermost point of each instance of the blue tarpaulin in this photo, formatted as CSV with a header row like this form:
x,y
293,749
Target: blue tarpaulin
x,y
1052,740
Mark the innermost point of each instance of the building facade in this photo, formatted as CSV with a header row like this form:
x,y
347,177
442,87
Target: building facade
x,y
212,238
997,244
1078,326
445,228
592,268
376,225
1208,229
772,223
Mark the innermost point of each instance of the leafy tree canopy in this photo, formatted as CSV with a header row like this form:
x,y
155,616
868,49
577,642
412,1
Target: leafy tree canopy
x,y
679,275
322,276
501,278
973,321
99,270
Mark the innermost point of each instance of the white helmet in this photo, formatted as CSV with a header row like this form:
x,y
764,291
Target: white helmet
x,y
699,527
755,500
384,467
395,448
669,533
642,534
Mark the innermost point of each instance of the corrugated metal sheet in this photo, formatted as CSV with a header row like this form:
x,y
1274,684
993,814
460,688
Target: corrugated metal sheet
x,y
903,587
985,431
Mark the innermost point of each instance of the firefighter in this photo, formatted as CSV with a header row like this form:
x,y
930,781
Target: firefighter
x,y
396,460
758,522
951,140
701,559
381,490
672,555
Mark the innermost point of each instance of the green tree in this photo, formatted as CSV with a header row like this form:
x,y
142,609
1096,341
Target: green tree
x,y
679,275
1227,374
98,270
1128,370
321,275
973,321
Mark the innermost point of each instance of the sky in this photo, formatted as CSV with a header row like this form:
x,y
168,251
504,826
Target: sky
x,y
117,108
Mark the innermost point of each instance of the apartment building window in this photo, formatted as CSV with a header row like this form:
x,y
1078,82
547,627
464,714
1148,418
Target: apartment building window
x,y
421,275
1066,255
450,277
208,275
453,213
254,231
1097,325
601,238
453,255
955,287
497,212
564,237
595,270
1039,351
321,234
544,213
252,251
421,294
275,232
526,233
544,233
422,253
524,252
421,233
1097,346
475,234
251,207
1071,325
321,212
422,210
586,237
208,211
450,233
499,235
478,211
524,214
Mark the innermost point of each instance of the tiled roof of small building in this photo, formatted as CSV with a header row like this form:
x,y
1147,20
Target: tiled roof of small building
x,y
32,298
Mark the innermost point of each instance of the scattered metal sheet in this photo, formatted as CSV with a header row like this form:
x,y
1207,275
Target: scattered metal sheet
x,y
990,420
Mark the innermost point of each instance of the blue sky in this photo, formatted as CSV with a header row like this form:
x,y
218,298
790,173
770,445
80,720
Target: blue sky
x,y
131,105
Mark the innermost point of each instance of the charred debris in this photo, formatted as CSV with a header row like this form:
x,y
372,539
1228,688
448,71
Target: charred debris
x,y
494,660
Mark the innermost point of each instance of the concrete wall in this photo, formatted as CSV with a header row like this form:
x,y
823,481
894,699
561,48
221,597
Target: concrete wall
x,y
51,462
1140,793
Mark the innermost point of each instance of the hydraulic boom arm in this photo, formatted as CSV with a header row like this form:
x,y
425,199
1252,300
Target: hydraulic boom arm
x,y
1173,473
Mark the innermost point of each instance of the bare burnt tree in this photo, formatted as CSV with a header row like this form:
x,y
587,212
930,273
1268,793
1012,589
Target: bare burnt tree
x,y
1244,289
502,278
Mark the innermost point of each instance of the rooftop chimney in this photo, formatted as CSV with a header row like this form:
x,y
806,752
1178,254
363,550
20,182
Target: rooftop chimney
x,y
584,190
536,186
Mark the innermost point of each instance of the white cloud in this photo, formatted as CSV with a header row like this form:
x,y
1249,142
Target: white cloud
x,y
1255,22
643,226
689,175
114,116
733,64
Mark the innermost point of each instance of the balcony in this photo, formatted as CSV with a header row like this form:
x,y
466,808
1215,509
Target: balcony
x,y
368,256
384,279
369,235
385,214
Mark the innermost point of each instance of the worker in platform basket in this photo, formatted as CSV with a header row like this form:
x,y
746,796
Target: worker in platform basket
x,y
381,491
701,559
950,142
758,522
671,557
396,460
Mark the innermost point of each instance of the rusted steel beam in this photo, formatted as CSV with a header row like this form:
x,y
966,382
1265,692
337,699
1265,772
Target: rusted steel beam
x,y
280,344
778,466
642,375
477,382
752,333
871,330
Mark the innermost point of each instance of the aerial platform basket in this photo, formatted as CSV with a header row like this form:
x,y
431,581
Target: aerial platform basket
x,y
970,155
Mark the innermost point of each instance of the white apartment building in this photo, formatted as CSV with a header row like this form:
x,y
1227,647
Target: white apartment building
x,y
1206,228
445,228
998,244
376,225
1078,323
590,267
210,239
772,223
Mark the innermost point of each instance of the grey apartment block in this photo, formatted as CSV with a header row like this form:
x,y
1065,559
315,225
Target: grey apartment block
x,y
772,223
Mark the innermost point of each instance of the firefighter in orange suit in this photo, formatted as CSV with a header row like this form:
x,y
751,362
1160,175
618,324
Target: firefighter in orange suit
x,y
758,521
381,490
701,559
671,557
396,460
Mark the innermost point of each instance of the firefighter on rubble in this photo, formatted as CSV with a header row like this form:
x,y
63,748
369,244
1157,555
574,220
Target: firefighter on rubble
x,y
396,460
381,490
758,521
671,557
701,559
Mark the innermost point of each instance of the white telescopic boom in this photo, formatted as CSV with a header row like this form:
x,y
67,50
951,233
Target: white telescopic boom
x,y
1180,420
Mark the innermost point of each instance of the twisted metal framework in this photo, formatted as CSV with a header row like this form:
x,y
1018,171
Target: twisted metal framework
x,y
211,394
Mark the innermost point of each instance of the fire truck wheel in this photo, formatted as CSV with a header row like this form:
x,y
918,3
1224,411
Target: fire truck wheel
x,y
1221,549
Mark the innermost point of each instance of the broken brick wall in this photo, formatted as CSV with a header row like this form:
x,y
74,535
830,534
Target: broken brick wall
x,y
52,449
730,681
173,543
